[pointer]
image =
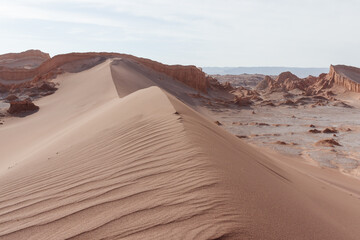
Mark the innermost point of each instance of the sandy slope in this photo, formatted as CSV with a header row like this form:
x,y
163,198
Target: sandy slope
x,y
93,165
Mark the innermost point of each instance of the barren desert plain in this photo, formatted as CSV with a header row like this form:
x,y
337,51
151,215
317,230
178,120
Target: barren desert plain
x,y
112,146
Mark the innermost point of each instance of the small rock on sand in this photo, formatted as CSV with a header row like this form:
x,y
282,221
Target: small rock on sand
x,y
327,143
330,130
218,123
241,136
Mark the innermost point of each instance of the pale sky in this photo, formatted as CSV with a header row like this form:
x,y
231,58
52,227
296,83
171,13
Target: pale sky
x,y
306,33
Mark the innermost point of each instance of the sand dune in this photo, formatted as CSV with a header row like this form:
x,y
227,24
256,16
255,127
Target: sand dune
x,y
114,154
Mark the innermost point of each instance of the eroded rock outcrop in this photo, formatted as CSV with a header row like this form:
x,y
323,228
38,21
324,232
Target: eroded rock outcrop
x,y
189,75
18,107
330,130
286,81
346,76
24,60
26,54
243,101
327,143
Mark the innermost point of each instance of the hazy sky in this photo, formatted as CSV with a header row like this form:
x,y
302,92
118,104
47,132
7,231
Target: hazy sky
x,y
302,33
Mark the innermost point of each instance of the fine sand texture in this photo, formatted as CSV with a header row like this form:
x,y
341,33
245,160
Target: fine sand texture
x,y
118,152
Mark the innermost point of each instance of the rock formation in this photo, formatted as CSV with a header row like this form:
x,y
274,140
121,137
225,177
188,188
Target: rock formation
x,y
341,75
22,106
28,53
243,101
286,81
346,76
189,75
27,59
330,130
327,143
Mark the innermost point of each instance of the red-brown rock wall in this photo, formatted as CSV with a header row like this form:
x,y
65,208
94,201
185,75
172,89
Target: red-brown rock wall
x,y
341,80
189,75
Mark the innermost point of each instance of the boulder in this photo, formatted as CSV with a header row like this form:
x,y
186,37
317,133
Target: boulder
x,y
218,123
17,107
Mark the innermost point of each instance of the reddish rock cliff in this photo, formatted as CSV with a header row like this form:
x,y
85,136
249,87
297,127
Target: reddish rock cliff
x,y
346,76
189,75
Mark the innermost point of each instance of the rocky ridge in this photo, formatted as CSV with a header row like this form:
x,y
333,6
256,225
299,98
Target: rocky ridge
x,y
346,76
341,75
22,61
15,77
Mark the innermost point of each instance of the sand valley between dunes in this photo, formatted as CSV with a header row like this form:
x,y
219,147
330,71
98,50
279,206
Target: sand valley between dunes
x,y
120,152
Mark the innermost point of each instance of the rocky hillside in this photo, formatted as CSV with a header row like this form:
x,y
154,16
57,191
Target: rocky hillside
x,y
28,59
244,80
286,81
340,75
72,62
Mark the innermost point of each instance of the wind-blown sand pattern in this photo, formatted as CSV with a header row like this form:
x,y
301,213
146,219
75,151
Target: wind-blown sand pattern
x,y
113,154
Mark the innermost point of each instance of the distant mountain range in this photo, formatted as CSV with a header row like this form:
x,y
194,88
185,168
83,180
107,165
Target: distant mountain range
x,y
300,72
